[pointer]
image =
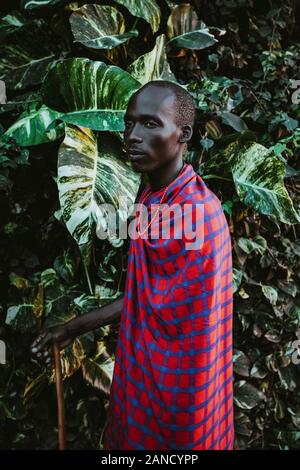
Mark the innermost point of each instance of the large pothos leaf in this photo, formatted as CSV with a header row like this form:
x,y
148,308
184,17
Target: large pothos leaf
x,y
31,127
24,59
259,180
99,27
94,91
185,30
146,9
96,119
91,173
153,65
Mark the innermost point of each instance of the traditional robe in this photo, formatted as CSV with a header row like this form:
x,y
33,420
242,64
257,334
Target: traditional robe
x,y
172,383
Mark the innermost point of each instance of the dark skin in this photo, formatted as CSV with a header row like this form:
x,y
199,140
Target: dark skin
x,y
156,135
163,143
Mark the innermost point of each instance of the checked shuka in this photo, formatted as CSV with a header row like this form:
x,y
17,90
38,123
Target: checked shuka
x,y
172,381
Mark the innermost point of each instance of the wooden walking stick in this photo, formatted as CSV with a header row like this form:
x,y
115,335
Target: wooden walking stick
x,y
60,398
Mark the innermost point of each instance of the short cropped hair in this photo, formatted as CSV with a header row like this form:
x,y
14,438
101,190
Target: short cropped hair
x,y
184,102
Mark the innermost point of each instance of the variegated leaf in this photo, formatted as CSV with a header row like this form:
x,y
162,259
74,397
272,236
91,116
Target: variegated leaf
x,y
21,318
146,9
99,27
106,294
153,65
34,386
96,119
259,180
246,396
24,60
185,30
33,4
99,371
31,127
81,84
72,357
91,173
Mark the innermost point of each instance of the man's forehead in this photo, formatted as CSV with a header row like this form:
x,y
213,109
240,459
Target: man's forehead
x,y
152,100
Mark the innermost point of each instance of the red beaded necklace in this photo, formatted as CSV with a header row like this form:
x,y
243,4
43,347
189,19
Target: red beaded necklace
x,y
161,200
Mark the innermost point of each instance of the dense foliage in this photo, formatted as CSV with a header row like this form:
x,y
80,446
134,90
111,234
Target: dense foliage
x,y
69,69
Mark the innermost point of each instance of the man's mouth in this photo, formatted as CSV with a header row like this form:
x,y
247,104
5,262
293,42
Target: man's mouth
x,y
136,156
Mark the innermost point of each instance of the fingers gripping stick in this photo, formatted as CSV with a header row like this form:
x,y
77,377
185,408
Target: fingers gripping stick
x,y
60,398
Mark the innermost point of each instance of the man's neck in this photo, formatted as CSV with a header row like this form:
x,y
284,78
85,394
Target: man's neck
x,y
161,177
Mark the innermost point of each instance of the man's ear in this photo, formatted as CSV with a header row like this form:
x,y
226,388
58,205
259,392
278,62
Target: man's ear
x,y
186,133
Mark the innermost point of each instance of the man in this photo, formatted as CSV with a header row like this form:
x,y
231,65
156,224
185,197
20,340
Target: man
x,y
172,382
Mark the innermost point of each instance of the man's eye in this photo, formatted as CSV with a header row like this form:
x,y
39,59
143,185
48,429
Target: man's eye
x,y
127,123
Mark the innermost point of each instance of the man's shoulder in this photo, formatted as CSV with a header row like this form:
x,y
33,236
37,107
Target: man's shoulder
x,y
197,192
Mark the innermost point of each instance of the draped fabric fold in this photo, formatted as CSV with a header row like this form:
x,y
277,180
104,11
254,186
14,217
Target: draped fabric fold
x,y
172,383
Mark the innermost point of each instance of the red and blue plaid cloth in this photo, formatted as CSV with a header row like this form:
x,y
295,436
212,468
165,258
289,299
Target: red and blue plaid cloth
x,y
172,385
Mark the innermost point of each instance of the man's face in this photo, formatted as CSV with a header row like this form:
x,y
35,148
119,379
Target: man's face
x,y
150,129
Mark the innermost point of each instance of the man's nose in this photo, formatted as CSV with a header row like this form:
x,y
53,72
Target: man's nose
x,y
134,134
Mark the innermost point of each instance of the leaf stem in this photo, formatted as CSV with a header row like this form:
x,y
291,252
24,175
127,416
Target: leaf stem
x,y
207,177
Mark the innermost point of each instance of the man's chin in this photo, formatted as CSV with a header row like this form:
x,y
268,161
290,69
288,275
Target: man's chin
x,y
140,166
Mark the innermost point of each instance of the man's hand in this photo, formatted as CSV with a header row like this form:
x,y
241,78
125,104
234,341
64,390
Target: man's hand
x,y
41,348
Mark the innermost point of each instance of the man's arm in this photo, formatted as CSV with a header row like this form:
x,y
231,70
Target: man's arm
x,y
96,318
64,334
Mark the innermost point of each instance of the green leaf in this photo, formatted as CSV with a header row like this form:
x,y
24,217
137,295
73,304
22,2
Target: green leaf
x,y
34,4
72,357
35,386
64,265
185,30
22,102
233,121
241,363
81,84
270,293
106,294
10,23
86,302
99,371
153,65
259,370
91,173
146,9
207,143
99,27
259,179
97,119
246,396
200,39
24,60
237,279
31,127
248,245
21,318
